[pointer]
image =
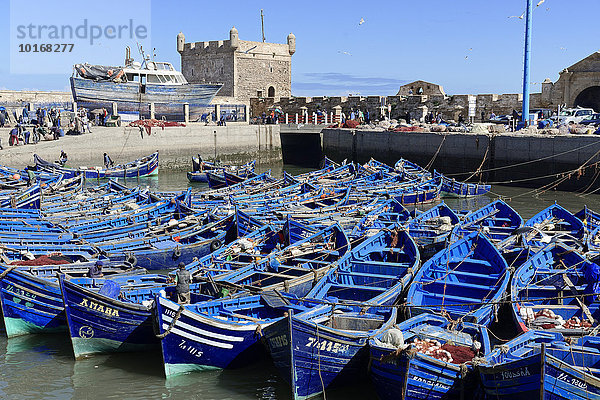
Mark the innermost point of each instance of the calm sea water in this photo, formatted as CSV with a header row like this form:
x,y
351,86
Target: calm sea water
x,y
42,366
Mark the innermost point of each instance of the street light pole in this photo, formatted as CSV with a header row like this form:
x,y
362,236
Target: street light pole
x,y
526,74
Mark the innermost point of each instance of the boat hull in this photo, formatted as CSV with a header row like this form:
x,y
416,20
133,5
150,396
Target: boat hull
x,y
159,259
168,99
541,376
99,324
313,358
30,305
417,377
198,343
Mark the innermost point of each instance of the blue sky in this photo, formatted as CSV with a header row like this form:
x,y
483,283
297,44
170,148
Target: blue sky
x,y
468,46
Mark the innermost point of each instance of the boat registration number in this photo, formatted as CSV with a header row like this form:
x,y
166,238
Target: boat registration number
x,y
327,345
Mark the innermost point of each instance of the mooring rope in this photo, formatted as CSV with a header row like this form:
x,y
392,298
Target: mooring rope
x,y
172,324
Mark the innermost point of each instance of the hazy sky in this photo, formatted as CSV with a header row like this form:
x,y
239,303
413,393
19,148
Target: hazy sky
x,y
468,46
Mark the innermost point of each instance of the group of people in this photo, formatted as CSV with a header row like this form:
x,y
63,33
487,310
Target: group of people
x,y
359,115
209,117
434,118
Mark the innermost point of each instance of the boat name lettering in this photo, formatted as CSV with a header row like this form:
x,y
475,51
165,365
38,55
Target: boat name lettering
x,y
327,345
92,305
190,349
278,341
429,382
517,373
573,381
19,292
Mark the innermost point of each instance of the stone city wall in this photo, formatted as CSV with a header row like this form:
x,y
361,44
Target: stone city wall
x,y
20,98
417,105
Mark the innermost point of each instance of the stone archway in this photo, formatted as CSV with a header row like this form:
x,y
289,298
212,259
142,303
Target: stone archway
x,y
589,98
271,91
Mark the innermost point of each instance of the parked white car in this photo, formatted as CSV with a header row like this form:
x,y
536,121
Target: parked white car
x,y
574,115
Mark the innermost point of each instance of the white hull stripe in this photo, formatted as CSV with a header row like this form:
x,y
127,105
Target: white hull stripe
x,y
197,339
199,331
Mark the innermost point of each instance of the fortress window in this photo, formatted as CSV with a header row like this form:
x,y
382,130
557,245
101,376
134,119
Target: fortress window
x,y
271,91
192,71
259,93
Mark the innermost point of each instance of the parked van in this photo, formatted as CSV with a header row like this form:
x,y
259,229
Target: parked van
x,y
574,115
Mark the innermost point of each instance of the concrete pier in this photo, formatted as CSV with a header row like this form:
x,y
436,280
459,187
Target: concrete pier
x,y
236,143
528,160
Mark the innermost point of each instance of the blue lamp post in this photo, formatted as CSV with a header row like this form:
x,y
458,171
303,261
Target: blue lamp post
x,y
525,110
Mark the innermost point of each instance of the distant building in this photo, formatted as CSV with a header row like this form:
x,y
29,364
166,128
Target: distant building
x,y
577,85
246,68
421,88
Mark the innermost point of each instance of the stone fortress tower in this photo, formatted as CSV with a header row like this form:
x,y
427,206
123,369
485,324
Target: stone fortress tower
x,y
246,68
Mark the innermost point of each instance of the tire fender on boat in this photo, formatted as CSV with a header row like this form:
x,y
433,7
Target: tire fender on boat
x,y
176,253
131,260
215,245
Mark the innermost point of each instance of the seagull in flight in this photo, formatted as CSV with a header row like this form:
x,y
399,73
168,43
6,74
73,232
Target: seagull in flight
x,y
362,21
518,16
540,3
344,52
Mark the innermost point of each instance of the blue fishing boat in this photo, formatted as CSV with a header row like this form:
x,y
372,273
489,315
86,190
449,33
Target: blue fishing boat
x,y
462,282
419,193
326,345
217,334
554,223
554,290
590,218
427,357
384,215
541,365
145,166
31,299
277,281
167,249
31,198
453,188
118,319
431,228
496,220
200,167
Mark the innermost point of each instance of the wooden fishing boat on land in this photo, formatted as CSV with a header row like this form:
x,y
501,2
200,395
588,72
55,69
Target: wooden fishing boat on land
x,y
141,167
461,282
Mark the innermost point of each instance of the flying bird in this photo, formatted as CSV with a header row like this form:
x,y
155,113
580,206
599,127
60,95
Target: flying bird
x,y
362,21
344,52
540,3
520,16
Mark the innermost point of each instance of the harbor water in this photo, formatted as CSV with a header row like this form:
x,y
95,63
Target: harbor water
x,y
43,367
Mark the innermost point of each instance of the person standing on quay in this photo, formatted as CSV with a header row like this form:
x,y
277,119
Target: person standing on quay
x,y
107,161
183,279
